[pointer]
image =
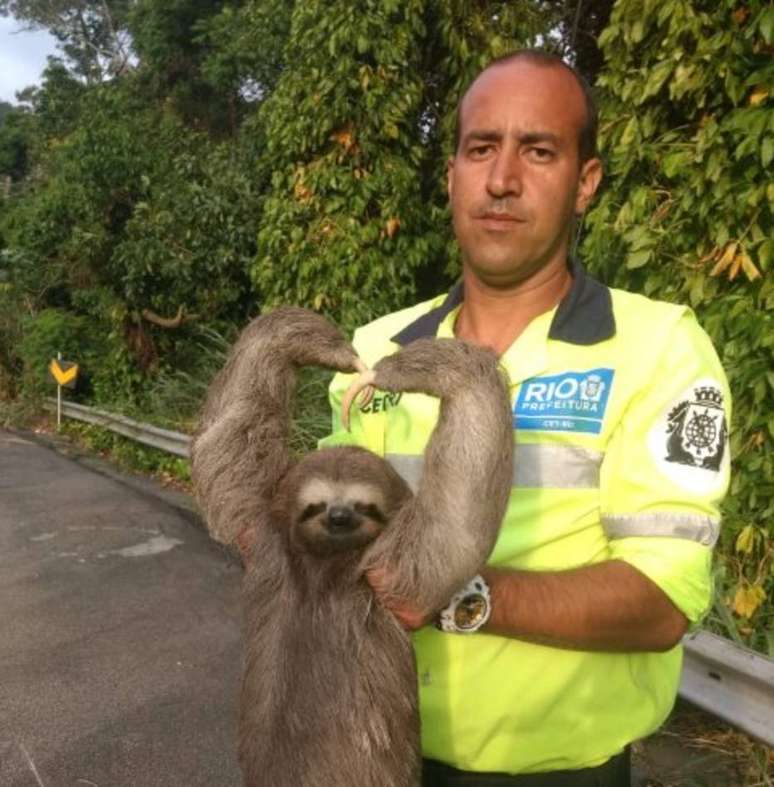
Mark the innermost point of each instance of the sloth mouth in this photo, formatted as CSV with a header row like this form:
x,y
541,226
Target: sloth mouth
x,y
323,541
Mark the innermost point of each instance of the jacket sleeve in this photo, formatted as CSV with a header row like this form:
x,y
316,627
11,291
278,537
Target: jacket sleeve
x,y
666,470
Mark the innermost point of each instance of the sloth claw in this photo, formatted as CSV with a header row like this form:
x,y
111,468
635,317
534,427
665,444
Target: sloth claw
x,y
362,385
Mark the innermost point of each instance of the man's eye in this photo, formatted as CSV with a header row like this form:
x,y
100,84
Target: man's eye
x,y
479,151
542,154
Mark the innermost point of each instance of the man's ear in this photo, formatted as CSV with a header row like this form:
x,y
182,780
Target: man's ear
x,y
590,178
450,176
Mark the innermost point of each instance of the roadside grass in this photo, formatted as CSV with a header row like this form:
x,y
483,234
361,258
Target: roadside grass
x,y
694,749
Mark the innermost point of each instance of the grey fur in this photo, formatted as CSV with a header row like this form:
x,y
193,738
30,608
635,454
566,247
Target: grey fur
x,y
329,694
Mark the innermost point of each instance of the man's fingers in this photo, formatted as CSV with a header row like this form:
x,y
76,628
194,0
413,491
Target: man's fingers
x,y
408,615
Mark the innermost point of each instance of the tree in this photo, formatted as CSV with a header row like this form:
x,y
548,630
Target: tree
x,y
171,49
345,227
246,54
93,35
688,212
55,105
14,125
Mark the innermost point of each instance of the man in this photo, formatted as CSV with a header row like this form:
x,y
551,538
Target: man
x,y
620,410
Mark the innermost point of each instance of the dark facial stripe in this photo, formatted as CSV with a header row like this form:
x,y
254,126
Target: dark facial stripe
x,y
313,510
371,511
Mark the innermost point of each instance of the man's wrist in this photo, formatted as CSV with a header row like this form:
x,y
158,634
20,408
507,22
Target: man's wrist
x,y
468,610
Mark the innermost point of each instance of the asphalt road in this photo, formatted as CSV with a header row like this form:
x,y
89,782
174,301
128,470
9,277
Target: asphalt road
x,y
119,632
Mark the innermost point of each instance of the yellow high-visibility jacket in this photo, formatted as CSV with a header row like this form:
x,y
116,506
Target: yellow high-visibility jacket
x,y
621,413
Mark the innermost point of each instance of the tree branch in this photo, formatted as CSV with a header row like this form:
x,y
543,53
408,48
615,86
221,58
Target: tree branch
x,y
169,322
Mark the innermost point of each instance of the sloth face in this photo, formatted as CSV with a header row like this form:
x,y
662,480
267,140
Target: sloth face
x,y
336,516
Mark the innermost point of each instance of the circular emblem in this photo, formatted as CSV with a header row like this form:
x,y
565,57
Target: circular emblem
x,y
700,431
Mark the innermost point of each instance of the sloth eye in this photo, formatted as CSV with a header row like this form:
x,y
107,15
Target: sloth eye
x,y
313,509
371,511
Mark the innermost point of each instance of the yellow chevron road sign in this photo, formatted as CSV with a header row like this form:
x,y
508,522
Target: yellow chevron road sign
x,y
64,372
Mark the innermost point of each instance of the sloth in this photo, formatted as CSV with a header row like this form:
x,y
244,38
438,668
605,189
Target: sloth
x,y
329,686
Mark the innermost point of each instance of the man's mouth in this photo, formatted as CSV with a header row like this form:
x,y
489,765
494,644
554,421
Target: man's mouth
x,y
497,220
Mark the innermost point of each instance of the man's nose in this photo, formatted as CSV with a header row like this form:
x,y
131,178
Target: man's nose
x,y
505,175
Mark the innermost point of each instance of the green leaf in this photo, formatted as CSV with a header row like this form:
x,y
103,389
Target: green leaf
x,y
766,25
629,133
638,258
767,151
655,81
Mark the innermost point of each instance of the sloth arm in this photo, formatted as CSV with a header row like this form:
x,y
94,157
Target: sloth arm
x,y
239,452
444,534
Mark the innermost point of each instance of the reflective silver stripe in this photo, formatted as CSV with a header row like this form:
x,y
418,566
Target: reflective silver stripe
x,y
538,466
693,527
534,466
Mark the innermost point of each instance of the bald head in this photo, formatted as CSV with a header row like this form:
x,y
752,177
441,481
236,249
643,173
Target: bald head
x,y
588,121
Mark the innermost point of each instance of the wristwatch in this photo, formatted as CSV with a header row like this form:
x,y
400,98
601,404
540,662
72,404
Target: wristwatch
x,y
468,609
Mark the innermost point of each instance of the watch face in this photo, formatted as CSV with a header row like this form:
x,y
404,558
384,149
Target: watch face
x,y
470,611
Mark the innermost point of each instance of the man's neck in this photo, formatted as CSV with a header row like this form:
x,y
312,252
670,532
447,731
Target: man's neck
x,y
495,317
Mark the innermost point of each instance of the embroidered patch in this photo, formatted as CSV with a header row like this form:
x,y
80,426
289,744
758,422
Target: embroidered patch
x,y
567,402
697,430
690,441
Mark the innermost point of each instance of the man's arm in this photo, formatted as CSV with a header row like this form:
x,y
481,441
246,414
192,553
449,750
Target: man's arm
x,y
608,606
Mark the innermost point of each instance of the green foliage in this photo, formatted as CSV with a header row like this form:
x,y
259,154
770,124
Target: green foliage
x,y
175,398
312,412
11,333
13,144
177,394
117,381
688,127
56,104
48,333
171,51
246,53
121,225
344,227
127,453
192,233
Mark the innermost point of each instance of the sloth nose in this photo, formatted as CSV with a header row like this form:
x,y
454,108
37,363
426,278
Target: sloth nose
x,y
341,518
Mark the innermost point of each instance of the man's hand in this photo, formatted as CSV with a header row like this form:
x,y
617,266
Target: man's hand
x,y
408,614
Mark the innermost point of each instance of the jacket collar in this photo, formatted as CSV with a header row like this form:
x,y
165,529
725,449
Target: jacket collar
x,y
584,316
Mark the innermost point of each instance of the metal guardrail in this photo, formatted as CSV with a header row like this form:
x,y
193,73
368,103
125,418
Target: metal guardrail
x,y
731,682
164,439
721,677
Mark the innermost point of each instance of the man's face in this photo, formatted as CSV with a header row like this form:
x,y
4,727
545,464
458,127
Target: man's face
x,y
516,181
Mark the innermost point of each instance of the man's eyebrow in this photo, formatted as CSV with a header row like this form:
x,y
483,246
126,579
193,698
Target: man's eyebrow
x,y
524,138
538,136
482,135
